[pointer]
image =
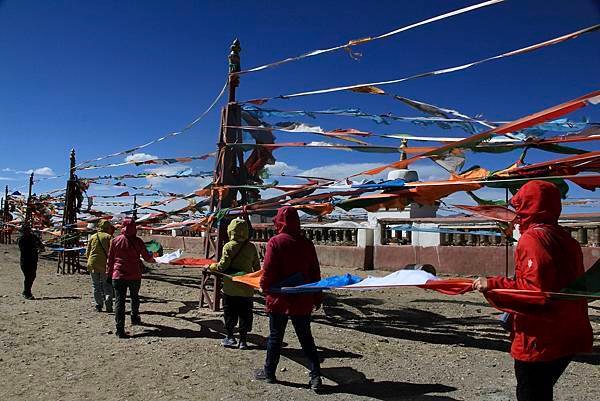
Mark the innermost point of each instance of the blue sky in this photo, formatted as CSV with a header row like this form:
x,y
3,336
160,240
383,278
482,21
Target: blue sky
x,y
105,76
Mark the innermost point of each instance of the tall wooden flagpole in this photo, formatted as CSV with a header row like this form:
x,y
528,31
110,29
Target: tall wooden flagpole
x,y
229,170
68,259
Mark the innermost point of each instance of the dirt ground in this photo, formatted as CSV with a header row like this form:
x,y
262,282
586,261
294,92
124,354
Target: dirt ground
x,y
396,344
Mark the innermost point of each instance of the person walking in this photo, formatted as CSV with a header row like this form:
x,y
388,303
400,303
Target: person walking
x,y
290,256
239,256
97,256
29,247
546,336
124,271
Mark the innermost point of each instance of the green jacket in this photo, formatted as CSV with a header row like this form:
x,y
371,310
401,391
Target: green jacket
x,y
97,248
239,257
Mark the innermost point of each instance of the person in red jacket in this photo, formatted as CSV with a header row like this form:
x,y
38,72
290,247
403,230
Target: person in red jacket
x,y
545,335
124,270
290,256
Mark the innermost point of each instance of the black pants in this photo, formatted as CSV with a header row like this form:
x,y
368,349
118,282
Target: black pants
x,y
237,308
536,380
120,287
29,270
277,325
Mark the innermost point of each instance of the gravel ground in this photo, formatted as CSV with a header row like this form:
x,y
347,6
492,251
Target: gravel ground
x,y
408,344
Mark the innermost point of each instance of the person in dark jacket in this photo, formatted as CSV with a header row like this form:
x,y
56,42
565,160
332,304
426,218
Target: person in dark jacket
x,y
29,246
289,254
124,270
239,256
544,336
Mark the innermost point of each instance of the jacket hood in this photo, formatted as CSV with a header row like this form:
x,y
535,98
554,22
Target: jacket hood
x,y
129,228
537,202
287,221
238,230
104,226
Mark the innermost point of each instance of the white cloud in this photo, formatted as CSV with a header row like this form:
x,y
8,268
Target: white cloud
x,y
38,171
282,168
7,179
42,171
342,170
140,157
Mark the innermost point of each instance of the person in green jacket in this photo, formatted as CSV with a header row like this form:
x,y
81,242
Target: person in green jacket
x,y
239,257
97,255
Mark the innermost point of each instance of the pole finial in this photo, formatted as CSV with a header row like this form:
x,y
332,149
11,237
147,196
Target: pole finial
x,y
234,57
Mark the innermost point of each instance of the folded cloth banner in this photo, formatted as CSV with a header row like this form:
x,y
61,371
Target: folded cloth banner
x,y
169,257
192,262
162,138
166,161
398,278
401,278
355,42
494,212
250,279
524,122
327,283
387,119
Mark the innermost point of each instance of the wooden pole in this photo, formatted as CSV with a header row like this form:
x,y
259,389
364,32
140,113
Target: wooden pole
x,y
68,261
5,235
229,170
506,248
135,215
29,201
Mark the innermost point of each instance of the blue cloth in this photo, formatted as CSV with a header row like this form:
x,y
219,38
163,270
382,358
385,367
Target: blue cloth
x,y
397,183
323,284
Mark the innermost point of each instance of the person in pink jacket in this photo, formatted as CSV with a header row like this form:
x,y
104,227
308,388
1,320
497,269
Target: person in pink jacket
x,y
124,269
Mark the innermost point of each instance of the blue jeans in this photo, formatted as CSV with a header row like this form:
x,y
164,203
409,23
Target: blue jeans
x,y
103,292
121,287
277,325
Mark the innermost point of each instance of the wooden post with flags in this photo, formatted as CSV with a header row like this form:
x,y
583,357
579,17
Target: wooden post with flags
x,y
68,259
28,211
135,205
5,232
229,170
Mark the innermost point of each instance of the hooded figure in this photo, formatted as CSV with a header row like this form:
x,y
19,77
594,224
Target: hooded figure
x,y
239,256
124,270
29,246
547,258
97,256
290,256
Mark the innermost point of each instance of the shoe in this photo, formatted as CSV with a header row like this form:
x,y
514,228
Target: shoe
x,y
28,296
109,308
98,308
260,374
228,342
243,345
316,384
121,334
136,320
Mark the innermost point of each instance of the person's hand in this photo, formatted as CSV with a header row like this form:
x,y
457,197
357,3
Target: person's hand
x,y
480,284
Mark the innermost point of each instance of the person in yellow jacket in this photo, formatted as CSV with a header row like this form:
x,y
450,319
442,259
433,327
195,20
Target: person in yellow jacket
x,y
239,256
97,255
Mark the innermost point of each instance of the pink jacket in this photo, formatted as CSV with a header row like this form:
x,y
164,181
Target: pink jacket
x,y
124,254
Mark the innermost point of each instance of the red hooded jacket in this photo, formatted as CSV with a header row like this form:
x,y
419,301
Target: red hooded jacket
x,y
547,258
287,254
124,254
